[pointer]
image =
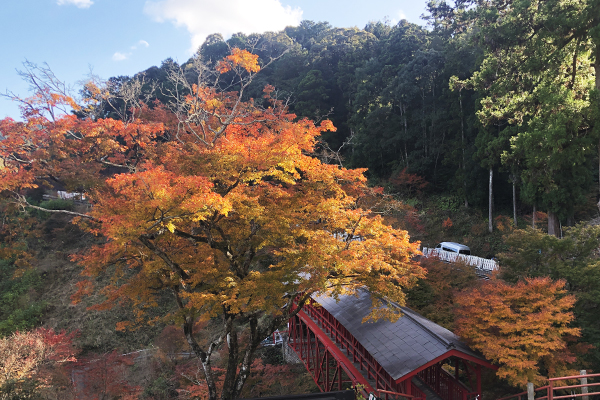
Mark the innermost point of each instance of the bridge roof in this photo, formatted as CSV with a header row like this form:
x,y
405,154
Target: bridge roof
x,y
401,347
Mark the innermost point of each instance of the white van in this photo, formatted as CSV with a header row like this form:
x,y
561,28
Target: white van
x,y
454,248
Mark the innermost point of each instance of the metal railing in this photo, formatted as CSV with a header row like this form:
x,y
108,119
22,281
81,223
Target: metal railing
x,y
449,256
444,384
554,384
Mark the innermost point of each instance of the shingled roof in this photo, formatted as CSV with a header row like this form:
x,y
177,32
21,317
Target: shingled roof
x,y
400,347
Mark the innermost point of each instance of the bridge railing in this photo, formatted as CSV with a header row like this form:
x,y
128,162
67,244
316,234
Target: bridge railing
x,y
444,384
323,361
449,256
384,384
569,391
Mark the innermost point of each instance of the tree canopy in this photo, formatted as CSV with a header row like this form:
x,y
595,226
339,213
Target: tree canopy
x,y
220,204
524,328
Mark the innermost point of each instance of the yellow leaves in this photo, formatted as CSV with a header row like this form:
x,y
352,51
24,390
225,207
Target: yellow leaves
x,y
239,59
156,196
170,227
213,104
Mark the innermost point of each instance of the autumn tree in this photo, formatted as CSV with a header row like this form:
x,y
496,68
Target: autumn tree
x,y
524,327
574,259
27,361
220,204
104,377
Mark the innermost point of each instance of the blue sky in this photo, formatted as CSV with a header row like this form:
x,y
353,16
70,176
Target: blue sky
x,y
122,37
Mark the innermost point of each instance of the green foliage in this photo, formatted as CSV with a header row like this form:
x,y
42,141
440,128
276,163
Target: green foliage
x,y
58,204
272,355
21,389
536,86
53,204
447,203
19,310
159,388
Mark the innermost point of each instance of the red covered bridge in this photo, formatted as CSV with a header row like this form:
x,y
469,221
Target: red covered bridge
x,y
412,358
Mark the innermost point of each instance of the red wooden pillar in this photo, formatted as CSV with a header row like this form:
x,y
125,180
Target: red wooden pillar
x,y
479,380
456,366
438,378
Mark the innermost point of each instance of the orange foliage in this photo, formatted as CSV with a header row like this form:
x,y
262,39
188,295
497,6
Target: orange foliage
x,y
524,328
239,59
231,214
504,223
447,224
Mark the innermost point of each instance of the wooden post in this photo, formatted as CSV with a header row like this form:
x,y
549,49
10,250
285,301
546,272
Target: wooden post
x,y
584,389
479,380
530,392
456,360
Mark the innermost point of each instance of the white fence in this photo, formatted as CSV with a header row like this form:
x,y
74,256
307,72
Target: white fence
x,y
448,256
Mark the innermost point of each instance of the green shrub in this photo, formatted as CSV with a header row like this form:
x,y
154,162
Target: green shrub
x,y
19,311
58,204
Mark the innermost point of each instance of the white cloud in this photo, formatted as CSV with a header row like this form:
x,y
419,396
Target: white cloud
x,y
400,15
76,3
120,56
142,43
203,17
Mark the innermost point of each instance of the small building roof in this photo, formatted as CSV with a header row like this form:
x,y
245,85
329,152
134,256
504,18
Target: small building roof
x,y
400,347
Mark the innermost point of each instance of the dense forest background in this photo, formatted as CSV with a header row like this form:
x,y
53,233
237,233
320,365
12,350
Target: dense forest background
x,y
485,111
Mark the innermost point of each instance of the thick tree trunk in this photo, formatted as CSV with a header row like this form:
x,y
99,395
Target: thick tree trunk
x,y
553,228
244,371
533,217
228,391
188,330
490,203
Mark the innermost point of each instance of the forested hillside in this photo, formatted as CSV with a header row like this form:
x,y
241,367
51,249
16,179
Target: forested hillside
x,y
472,93
204,202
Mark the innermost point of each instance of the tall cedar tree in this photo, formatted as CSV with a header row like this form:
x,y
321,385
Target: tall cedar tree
x,y
539,85
523,327
225,209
